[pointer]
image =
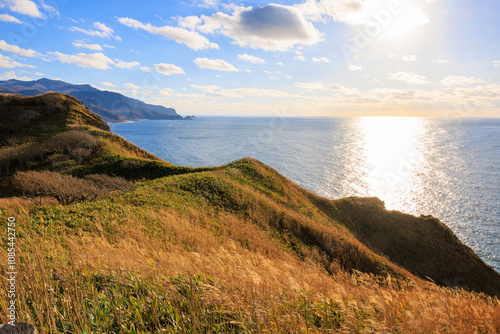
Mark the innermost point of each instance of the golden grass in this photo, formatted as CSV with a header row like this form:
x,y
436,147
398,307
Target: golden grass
x,y
257,284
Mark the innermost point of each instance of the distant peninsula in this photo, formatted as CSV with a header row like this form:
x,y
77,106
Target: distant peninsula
x,y
111,106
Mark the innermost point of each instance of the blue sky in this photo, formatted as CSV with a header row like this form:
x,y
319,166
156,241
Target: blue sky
x,y
281,58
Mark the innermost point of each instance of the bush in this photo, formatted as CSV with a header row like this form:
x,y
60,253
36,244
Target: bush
x,y
71,140
109,183
66,188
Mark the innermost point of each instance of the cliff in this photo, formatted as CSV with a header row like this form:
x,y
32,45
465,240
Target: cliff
x,y
237,248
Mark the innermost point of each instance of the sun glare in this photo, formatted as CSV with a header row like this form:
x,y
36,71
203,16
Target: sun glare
x,y
405,22
390,146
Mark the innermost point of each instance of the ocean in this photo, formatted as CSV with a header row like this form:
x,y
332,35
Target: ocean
x,y
448,168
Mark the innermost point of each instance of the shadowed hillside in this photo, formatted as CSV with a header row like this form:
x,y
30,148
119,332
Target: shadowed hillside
x,y
234,249
56,132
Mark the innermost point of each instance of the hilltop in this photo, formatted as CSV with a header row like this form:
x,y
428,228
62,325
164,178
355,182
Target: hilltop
x,y
111,106
233,249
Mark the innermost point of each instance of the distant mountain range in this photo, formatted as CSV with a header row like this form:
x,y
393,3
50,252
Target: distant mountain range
x,y
111,106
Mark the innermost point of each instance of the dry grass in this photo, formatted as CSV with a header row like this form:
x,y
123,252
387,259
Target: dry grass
x,y
168,267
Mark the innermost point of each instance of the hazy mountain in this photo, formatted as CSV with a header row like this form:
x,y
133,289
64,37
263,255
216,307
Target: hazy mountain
x,y
111,106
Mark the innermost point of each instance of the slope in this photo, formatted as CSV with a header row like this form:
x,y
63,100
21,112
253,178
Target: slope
x,y
56,132
235,249
111,106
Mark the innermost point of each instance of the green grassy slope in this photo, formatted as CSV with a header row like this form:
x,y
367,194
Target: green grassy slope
x,y
234,249
29,141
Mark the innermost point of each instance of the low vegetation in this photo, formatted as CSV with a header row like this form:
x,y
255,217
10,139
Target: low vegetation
x,y
67,189
234,249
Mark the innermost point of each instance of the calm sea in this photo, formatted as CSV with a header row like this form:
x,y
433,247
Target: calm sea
x,y
448,168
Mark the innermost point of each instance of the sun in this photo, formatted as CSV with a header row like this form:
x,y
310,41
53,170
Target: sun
x,y
409,18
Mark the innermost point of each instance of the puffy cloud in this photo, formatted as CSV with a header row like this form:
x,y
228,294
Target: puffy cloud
x,y
25,7
102,31
17,50
191,39
130,85
459,80
7,62
309,85
12,75
9,18
496,63
272,27
94,60
321,60
165,69
93,47
215,64
252,59
107,84
127,65
409,77
353,67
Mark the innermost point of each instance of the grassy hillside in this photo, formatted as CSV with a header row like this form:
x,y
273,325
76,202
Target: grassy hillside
x,y
237,249
56,132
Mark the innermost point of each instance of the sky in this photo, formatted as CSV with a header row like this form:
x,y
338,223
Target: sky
x,y
258,58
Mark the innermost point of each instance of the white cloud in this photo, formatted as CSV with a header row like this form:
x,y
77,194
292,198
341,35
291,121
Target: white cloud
x,y
239,92
107,84
289,77
336,87
94,60
93,47
191,39
165,69
48,8
353,67
252,59
459,80
102,31
409,57
496,63
321,60
130,85
7,62
215,64
360,12
9,18
17,50
25,7
309,85
272,27
189,22
281,64
408,77
441,61
127,65
12,75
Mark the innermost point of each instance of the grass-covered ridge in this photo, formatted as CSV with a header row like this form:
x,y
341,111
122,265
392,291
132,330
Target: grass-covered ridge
x,y
237,249
56,132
